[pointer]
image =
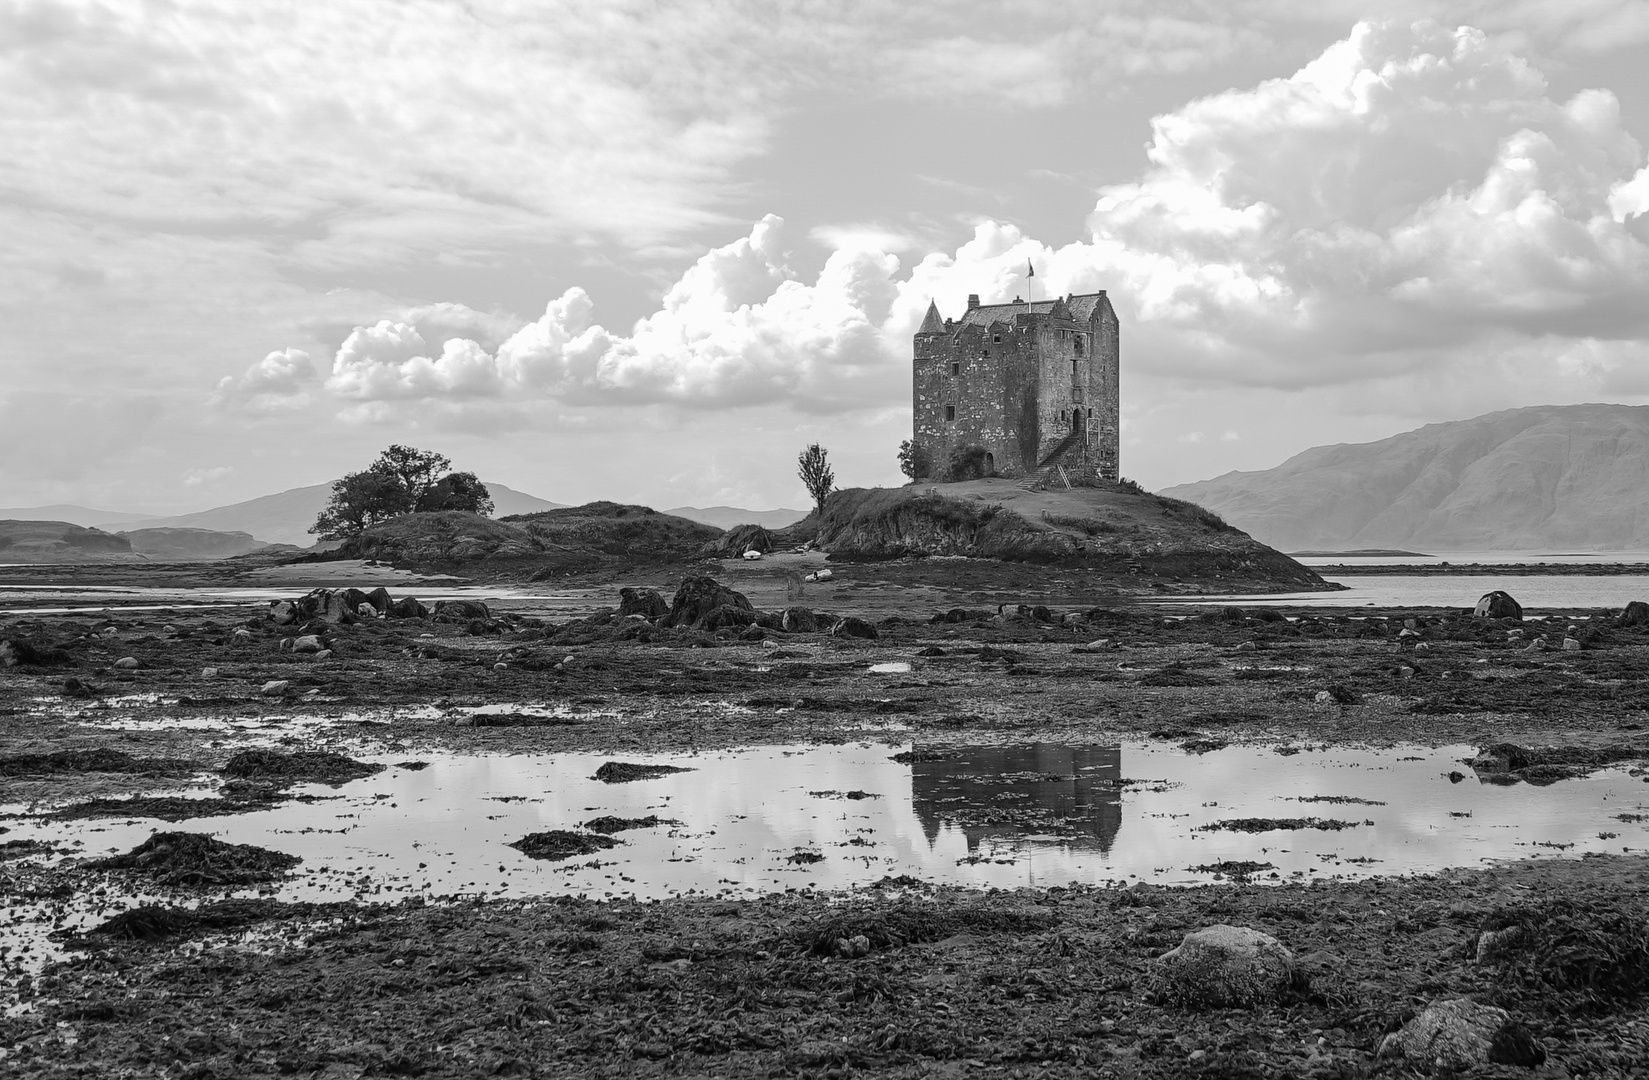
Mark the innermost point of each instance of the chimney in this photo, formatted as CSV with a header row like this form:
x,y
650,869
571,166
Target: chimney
x,y
973,300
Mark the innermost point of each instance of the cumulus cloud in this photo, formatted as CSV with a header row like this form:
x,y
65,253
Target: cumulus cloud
x,y
1412,202
278,381
197,477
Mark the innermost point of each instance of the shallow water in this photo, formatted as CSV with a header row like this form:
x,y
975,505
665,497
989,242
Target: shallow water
x,y
1562,592
1010,815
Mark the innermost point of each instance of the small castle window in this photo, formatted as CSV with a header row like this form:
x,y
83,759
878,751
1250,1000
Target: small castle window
x,y
956,367
996,339
950,413
1076,341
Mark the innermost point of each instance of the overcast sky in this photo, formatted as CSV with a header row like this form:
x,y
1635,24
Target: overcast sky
x,y
646,251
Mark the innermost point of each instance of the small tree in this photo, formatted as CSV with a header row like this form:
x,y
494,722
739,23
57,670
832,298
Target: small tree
x,y
418,470
361,500
458,491
913,460
814,469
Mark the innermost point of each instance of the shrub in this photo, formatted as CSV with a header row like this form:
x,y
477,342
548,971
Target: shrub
x,y
966,463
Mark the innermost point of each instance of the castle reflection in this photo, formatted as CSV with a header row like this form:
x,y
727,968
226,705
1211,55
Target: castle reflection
x,y
1002,794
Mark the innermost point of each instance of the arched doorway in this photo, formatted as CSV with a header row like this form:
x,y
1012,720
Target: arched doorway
x,y
1076,419
990,463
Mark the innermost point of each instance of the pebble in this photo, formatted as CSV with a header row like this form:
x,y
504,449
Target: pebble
x,y
500,667
324,654
1571,645
208,672
127,663
275,688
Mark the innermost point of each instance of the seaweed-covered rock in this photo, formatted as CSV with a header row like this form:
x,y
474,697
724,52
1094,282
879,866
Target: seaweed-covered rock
x,y
187,858
1459,1033
623,772
408,608
1636,614
460,610
647,603
1220,966
740,540
380,599
562,844
302,767
17,652
697,597
727,615
1498,605
798,620
854,627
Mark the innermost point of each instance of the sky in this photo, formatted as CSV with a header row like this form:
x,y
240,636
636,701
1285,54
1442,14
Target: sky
x,y
648,251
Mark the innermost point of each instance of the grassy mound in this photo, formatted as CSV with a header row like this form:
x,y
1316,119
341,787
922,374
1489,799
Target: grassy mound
x,y
571,538
1115,526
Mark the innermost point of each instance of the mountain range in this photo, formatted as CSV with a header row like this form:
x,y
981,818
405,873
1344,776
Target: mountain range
x,y
1545,478
285,517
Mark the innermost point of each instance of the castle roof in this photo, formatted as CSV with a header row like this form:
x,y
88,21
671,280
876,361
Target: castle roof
x,y
1081,309
932,323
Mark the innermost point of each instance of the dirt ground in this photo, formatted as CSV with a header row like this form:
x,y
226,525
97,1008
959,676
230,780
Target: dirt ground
x,y
949,982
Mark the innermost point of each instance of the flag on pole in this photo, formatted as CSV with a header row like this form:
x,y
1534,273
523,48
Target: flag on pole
x,y
1031,268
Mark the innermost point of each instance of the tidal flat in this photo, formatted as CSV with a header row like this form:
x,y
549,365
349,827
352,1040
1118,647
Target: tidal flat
x,y
557,841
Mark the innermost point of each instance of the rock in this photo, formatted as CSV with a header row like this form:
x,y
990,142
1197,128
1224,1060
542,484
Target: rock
x,y
647,603
284,612
242,636
1459,1033
1497,605
15,651
1407,632
208,672
697,597
275,688
854,627
127,663
1514,635
798,620
1571,645
324,654
1537,645
739,541
500,667
364,610
823,575
1246,646
1636,614
728,615
379,598
1074,618
852,947
408,608
751,556
1406,672
460,611
309,643
1221,966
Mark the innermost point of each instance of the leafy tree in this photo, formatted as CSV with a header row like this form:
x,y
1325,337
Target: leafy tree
x,y
402,480
361,500
913,460
816,473
458,491
418,470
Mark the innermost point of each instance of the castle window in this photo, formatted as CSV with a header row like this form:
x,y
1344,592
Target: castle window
x,y
996,338
950,413
1076,343
955,367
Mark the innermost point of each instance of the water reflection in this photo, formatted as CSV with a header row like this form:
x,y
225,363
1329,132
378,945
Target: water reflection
x,y
1001,794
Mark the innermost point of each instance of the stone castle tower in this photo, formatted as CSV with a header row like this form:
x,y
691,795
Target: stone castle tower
x,y
1033,385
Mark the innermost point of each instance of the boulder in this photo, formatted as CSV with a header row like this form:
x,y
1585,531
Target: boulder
x,y
352,599
284,612
698,597
242,636
1459,1033
408,608
16,651
330,605
725,616
1571,645
798,620
380,599
854,627
1222,966
460,610
1497,605
309,643
275,688
127,663
648,603
1636,614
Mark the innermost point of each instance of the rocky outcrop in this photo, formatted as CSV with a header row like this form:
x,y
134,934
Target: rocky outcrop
x,y
648,603
698,597
1222,966
1459,1033
1498,605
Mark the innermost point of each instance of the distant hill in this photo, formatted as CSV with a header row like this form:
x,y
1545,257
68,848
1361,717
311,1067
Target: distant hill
x,y
725,517
285,518
189,545
1550,477
84,516
60,541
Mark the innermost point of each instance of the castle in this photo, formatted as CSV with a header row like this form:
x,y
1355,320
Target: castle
x,y
1013,389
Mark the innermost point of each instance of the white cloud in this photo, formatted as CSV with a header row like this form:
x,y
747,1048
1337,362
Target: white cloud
x,y
197,477
278,381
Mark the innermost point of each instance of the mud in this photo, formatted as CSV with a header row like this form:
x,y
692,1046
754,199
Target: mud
x,y
1034,980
